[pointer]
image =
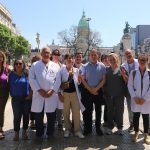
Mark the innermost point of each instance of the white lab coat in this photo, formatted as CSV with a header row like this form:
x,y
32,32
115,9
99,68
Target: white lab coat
x,y
43,76
145,93
62,76
126,66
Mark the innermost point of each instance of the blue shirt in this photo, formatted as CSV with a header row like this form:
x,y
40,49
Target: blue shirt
x,y
93,73
19,85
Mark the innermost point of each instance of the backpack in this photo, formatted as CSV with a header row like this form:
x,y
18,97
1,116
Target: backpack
x,y
134,73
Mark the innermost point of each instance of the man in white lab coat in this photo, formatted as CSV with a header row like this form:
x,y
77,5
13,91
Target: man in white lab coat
x,y
129,65
42,77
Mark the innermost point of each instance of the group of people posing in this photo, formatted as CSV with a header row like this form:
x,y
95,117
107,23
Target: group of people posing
x,y
59,89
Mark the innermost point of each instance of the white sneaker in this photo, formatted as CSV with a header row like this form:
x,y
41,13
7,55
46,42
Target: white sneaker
x,y
109,132
79,135
66,134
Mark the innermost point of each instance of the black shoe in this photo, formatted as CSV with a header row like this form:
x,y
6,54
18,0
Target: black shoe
x,y
60,127
99,132
131,128
105,124
87,132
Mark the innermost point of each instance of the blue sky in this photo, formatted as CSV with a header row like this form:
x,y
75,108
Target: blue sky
x,y
48,17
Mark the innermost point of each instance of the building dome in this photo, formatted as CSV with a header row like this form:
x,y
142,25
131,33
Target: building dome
x,y
83,23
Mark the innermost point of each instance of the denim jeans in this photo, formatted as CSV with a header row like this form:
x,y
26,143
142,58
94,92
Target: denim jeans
x,y
21,108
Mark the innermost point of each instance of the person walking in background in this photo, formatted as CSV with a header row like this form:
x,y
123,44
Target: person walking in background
x,y
67,79
4,91
93,79
139,88
42,76
114,94
129,65
19,91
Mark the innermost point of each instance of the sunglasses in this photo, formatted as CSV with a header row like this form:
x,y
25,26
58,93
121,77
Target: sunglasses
x,y
56,54
18,64
142,60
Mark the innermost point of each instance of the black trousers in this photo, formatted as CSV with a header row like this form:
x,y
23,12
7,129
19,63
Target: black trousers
x,y
88,100
39,123
4,93
115,110
136,117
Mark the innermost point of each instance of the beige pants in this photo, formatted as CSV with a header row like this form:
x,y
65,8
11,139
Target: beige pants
x,y
71,103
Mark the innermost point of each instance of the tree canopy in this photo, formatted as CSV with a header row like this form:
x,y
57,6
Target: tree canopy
x,y
12,44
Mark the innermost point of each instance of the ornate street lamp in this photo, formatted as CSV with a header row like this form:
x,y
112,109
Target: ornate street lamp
x,y
88,20
38,41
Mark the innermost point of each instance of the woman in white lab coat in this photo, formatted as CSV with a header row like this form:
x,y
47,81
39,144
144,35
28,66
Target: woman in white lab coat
x,y
42,76
67,78
139,89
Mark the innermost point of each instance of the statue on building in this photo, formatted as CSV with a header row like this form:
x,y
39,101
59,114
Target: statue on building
x,y
127,28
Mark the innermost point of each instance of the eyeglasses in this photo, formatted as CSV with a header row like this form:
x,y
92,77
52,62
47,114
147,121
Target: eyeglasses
x,y
142,60
18,64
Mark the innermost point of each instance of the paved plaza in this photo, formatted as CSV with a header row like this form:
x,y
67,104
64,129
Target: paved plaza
x,y
92,142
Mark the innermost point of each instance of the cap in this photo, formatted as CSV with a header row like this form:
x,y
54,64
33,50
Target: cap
x,y
56,52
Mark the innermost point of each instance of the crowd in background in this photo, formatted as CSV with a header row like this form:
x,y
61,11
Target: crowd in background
x,y
61,89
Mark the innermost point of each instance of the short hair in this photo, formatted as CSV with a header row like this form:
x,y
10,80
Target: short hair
x,y
78,53
94,50
104,56
68,56
128,50
36,58
45,48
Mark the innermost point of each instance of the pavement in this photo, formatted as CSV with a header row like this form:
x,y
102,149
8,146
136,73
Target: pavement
x,y
57,142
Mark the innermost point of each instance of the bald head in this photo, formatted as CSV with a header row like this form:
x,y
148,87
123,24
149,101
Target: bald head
x,y
129,56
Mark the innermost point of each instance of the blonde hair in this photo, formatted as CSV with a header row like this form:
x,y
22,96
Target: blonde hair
x,y
115,56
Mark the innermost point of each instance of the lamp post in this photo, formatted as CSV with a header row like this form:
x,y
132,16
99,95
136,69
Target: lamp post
x,y
88,20
121,51
38,41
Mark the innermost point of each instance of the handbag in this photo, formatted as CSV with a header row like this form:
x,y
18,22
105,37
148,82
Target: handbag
x,y
65,85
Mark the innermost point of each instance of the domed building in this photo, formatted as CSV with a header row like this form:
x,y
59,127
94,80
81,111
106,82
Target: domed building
x,y
83,33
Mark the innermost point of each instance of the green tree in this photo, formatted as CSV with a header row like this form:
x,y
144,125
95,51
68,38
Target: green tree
x,y
5,38
13,44
22,46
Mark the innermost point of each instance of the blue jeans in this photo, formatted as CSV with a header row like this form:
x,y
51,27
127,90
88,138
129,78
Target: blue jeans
x,y
21,108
